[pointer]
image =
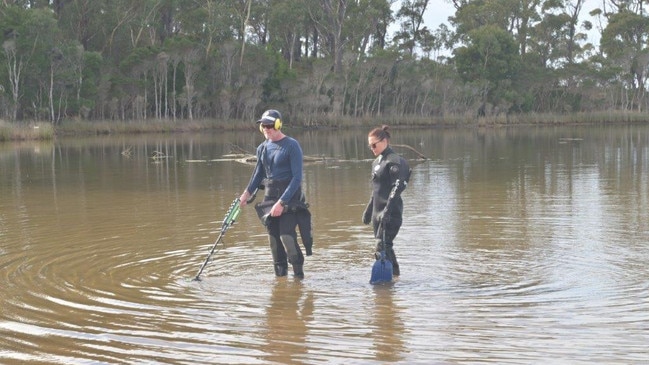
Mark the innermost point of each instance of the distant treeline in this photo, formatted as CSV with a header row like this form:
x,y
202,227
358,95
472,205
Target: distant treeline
x,y
317,60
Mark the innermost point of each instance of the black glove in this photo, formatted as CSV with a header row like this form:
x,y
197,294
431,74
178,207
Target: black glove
x,y
383,217
367,214
308,249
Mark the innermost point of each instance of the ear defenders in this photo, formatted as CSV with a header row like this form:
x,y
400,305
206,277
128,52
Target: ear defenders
x,y
271,115
277,126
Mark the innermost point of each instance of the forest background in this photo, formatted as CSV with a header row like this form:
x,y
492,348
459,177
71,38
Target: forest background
x,y
321,62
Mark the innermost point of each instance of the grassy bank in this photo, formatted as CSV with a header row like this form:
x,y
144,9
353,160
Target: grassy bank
x,y
145,126
26,131
531,119
22,131
45,131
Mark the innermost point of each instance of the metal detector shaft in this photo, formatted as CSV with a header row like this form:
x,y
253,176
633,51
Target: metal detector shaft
x,y
200,271
230,217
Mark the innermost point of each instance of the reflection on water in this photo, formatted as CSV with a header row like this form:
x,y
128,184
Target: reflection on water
x,y
519,245
388,328
287,315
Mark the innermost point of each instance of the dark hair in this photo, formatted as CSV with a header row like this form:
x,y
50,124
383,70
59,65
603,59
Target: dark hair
x,y
380,132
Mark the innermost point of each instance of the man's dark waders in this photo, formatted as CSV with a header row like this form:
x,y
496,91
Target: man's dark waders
x,y
282,236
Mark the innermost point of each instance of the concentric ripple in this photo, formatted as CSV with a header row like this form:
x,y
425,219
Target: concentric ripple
x,y
547,263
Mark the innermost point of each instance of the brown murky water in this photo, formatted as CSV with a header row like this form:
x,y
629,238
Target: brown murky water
x,y
519,246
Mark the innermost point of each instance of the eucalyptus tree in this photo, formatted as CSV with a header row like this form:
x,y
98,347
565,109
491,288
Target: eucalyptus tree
x,y
551,43
329,16
369,58
242,10
366,27
373,93
30,37
412,89
625,41
15,54
381,21
191,60
110,29
329,19
556,61
492,35
490,62
80,19
412,33
286,26
301,91
136,68
560,36
89,79
364,36
347,31
113,27
68,89
253,83
174,49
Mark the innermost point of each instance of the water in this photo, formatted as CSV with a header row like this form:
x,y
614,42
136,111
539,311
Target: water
x,y
519,246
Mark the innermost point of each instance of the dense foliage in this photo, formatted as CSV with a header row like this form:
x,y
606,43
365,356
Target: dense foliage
x,y
316,60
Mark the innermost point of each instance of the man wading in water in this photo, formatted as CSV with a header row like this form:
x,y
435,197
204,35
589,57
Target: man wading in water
x,y
279,171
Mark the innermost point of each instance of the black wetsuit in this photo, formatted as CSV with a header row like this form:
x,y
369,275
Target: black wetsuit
x,y
389,172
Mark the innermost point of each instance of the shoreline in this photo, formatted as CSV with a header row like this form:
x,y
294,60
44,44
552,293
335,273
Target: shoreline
x,y
29,131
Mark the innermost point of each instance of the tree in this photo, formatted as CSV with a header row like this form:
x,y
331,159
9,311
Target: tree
x,y
30,35
490,61
329,18
412,33
625,40
286,23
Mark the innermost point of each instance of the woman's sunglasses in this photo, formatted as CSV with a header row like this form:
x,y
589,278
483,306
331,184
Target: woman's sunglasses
x,y
373,145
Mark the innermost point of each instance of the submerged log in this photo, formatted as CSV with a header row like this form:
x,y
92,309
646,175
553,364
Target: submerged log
x,y
240,155
252,159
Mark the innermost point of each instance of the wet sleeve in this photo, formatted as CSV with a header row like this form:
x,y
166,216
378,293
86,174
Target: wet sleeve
x,y
399,175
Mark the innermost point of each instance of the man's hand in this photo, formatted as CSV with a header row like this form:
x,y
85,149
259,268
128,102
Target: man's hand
x,y
277,209
243,199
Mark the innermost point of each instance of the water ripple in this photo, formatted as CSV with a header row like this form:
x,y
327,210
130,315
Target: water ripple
x,y
548,263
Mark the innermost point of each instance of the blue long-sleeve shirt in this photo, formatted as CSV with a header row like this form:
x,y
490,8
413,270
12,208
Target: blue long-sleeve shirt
x,y
280,160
